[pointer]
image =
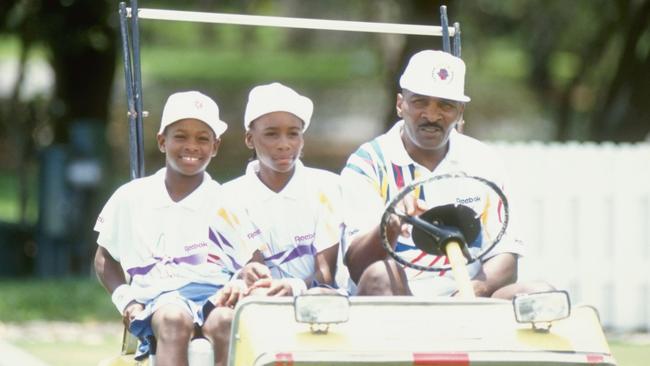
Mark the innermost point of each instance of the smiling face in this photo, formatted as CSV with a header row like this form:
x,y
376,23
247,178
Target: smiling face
x,y
428,121
189,145
277,140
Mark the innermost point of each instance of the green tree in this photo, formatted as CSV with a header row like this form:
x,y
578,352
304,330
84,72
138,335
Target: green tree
x,y
79,39
587,61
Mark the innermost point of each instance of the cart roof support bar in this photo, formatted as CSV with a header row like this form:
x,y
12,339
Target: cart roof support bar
x,y
287,22
136,153
131,50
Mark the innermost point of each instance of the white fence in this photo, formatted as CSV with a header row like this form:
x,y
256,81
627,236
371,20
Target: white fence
x,y
584,212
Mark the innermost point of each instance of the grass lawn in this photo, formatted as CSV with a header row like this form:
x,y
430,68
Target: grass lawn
x,y
73,352
44,307
70,299
630,354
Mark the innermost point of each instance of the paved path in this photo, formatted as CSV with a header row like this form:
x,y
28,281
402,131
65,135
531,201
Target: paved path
x,y
14,356
50,332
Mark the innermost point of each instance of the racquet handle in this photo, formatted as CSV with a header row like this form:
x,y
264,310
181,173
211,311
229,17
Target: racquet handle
x,y
458,261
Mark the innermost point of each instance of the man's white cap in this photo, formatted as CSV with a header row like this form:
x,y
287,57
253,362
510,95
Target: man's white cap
x,y
192,104
436,74
276,97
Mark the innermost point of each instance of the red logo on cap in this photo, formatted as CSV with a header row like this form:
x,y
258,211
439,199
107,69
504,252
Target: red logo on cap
x,y
443,74
198,104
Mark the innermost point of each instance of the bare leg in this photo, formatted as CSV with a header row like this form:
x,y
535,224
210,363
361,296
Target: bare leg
x,y
173,328
508,292
321,290
217,329
383,278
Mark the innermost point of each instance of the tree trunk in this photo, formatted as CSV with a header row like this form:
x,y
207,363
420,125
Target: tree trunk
x,y
624,114
83,50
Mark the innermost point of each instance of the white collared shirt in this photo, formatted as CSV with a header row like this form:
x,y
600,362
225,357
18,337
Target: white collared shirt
x,y
379,169
296,223
163,245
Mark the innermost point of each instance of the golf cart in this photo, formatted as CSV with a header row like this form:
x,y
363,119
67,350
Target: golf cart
x,y
532,329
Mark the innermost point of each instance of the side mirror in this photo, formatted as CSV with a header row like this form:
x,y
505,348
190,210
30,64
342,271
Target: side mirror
x,y
319,311
542,308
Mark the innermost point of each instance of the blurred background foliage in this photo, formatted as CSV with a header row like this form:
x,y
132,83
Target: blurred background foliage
x,y
545,70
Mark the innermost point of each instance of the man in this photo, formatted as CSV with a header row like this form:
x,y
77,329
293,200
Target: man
x,y
425,142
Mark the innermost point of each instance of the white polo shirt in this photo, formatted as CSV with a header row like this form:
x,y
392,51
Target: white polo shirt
x,y
163,245
379,169
297,222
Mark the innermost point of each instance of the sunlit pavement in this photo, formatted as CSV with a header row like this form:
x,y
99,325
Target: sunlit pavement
x,y
13,356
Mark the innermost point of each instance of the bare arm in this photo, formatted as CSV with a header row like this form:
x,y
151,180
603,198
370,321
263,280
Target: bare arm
x,y
366,248
111,276
109,271
326,264
496,272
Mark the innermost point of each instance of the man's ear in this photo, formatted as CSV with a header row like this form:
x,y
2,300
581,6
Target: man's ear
x,y
248,140
398,104
460,121
161,143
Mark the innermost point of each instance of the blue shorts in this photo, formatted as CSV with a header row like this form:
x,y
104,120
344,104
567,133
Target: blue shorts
x,y
192,297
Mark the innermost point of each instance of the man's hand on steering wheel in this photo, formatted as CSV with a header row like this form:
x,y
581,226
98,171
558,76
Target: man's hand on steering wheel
x,y
451,221
409,205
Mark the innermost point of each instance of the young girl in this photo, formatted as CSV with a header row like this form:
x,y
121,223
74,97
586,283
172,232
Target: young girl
x,y
294,208
172,235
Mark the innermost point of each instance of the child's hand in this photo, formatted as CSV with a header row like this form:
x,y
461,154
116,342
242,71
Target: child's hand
x,y
271,287
132,310
253,272
228,295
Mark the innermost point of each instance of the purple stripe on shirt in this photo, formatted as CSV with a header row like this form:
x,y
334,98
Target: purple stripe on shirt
x,y
140,270
298,251
224,240
214,238
301,250
193,260
275,256
234,262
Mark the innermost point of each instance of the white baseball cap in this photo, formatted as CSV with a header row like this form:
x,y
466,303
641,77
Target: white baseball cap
x,y
192,104
276,97
436,74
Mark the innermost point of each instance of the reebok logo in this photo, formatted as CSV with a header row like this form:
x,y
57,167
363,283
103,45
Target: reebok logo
x,y
468,200
195,246
254,234
301,238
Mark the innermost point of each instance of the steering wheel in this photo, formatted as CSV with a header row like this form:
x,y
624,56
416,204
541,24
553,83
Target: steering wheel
x,y
449,221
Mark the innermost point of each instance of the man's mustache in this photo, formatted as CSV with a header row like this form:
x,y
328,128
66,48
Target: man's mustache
x,y
427,123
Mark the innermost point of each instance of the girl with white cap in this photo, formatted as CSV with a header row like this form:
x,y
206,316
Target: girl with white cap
x,y
294,208
171,234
